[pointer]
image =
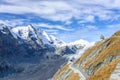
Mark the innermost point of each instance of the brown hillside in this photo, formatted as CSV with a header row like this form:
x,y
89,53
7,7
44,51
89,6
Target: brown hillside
x,y
99,61
66,73
104,72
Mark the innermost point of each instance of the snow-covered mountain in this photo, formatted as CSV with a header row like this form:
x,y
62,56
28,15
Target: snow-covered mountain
x,y
29,32
27,50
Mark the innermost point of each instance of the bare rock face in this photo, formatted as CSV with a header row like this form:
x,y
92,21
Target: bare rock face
x,y
101,62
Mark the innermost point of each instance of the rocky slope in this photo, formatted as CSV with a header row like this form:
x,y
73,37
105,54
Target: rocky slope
x,y
27,53
101,62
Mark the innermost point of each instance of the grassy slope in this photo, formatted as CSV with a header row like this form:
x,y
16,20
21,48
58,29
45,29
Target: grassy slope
x,y
106,60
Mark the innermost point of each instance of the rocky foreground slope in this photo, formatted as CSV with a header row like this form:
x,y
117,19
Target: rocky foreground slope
x,y
101,62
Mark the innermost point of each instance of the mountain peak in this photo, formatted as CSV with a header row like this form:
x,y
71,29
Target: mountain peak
x,y
26,32
22,31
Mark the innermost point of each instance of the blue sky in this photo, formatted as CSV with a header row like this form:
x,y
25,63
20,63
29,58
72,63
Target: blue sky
x,y
68,20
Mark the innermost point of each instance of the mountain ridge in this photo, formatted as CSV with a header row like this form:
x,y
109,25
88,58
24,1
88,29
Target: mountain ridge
x,y
23,50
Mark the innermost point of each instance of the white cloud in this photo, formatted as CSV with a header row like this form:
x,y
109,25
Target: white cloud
x,y
65,10
68,22
52,26
90,18
12,23
104,3
87,18
14,9
113,26
52,31
91,27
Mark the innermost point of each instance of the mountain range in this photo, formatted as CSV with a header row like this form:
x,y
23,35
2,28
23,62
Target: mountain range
x,y
29,53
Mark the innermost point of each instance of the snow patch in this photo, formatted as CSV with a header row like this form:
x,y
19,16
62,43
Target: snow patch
x,y
56,41
80,43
